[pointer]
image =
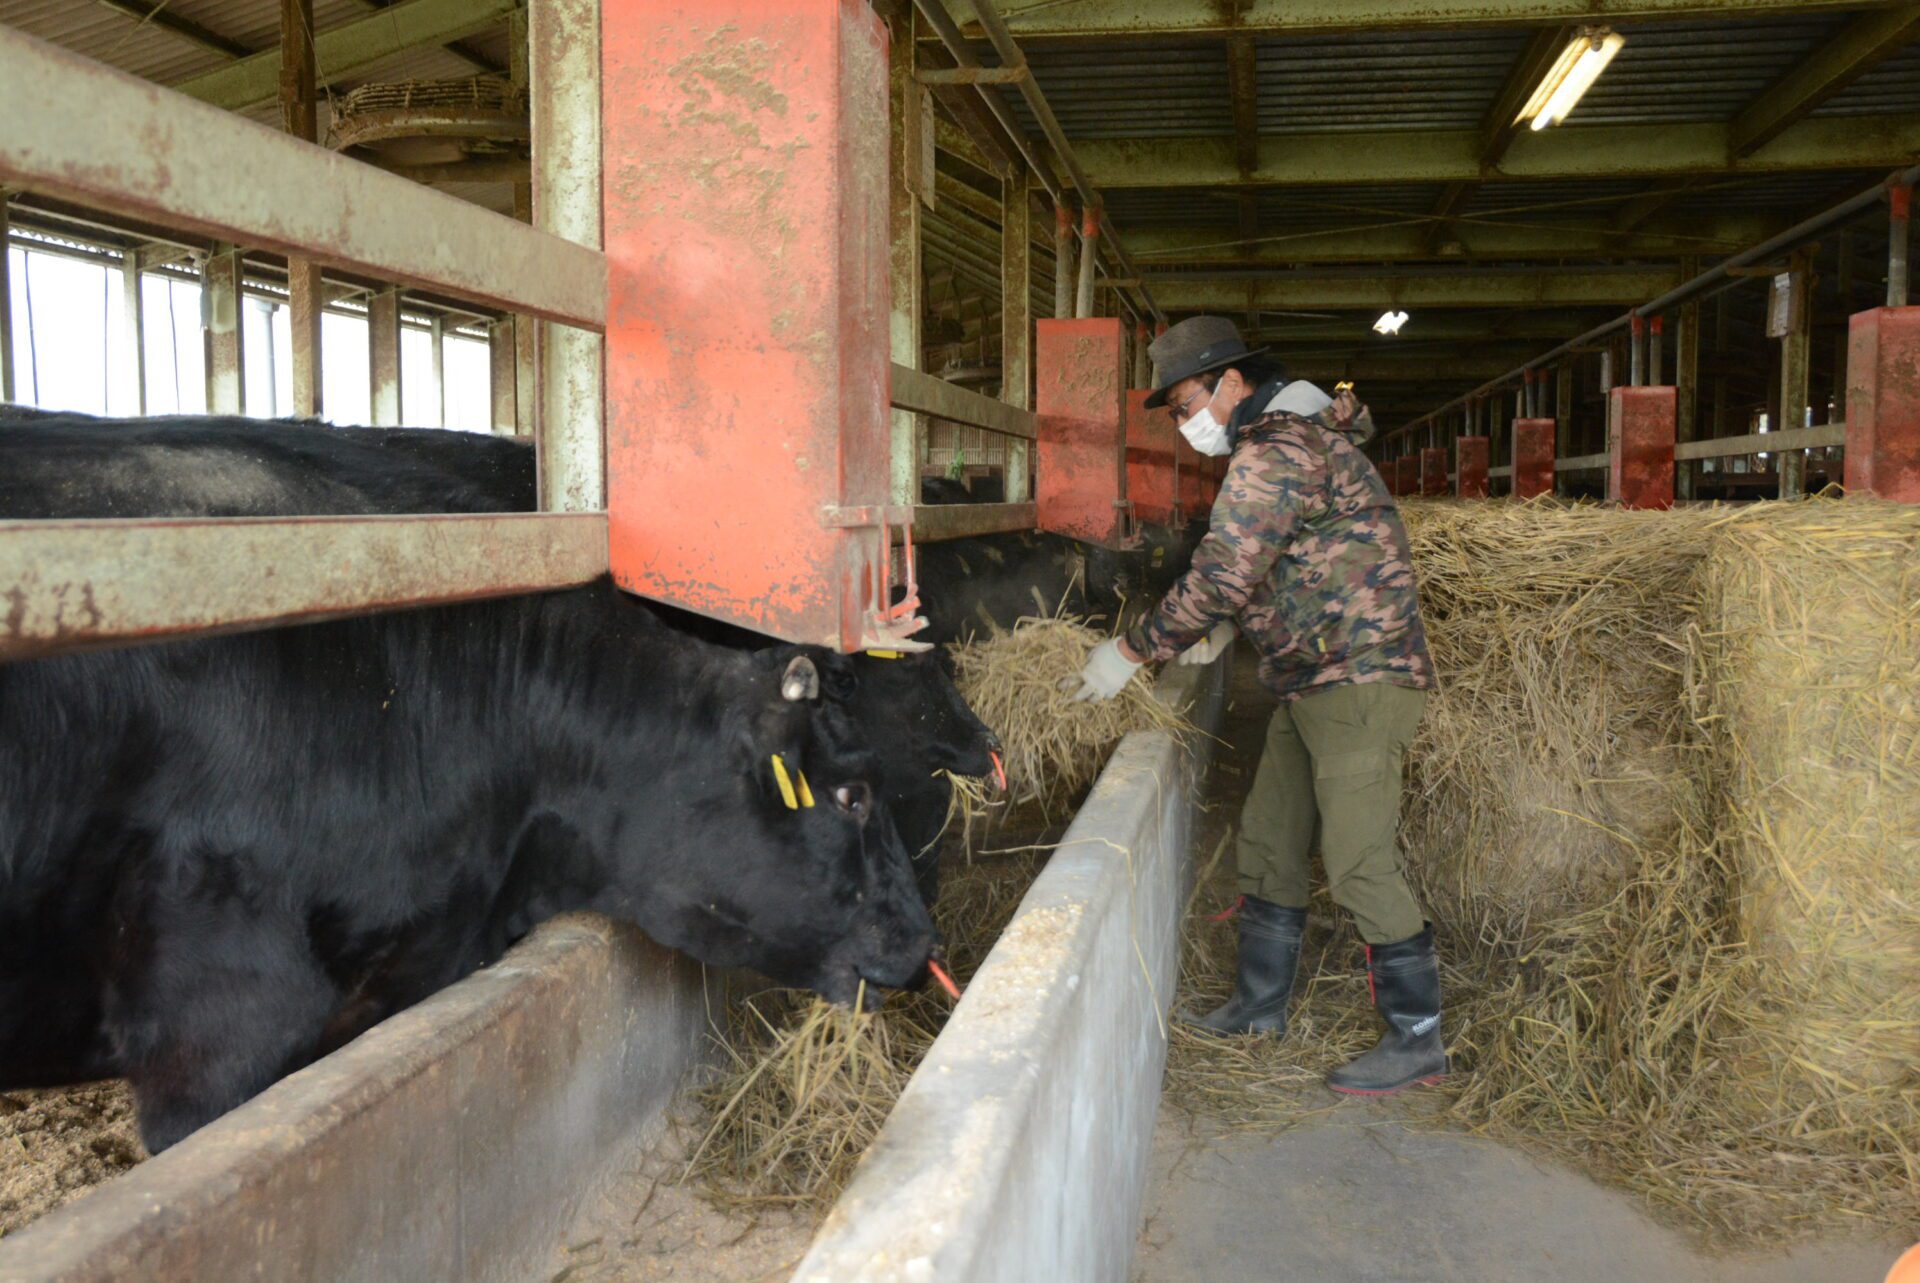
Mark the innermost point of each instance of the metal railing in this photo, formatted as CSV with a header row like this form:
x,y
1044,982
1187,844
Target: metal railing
x,y
80,584
923,393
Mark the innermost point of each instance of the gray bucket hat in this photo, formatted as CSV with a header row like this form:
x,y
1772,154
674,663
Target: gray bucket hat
x,y
1198,345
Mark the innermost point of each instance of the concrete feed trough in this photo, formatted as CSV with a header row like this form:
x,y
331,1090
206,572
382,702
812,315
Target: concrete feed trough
x,y
456,1140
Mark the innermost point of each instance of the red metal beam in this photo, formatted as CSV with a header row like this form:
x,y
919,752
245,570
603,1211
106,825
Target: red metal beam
x,y
1433,471
745,172
1150,438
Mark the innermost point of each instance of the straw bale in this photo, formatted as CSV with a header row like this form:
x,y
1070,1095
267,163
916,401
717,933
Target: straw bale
x,y
1807,681
1550,752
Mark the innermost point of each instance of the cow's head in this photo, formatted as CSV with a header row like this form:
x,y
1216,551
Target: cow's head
x,y
915,713
786,859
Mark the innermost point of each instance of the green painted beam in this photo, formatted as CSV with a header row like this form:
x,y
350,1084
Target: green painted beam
x,y
1415,289
1666,238
1453,156
347,50
1857,48
1115,19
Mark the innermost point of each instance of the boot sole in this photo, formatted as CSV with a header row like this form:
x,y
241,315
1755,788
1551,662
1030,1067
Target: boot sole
x,y
1426,1081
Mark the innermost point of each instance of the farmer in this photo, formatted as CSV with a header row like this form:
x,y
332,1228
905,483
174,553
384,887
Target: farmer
x,y
1307,557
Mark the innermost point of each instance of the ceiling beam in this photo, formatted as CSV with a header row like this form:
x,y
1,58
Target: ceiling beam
x,y
1416,288
345,51
1451,327
154,13
1704,236
1860,45
1452,156
1130,19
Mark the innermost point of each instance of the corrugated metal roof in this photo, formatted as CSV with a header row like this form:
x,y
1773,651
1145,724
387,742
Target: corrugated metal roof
x,y
1676,72
1893,86
1165,91
1409,80
1803,193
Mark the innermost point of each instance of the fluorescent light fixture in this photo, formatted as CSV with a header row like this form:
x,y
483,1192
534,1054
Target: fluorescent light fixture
x,y
1571,75
1389,322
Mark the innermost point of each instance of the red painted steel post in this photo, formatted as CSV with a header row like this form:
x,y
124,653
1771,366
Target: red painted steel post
x,y
1433,471
1082,473
1407,474
745,182
1470,473
1640,437
1883,404
1532,457
1150,438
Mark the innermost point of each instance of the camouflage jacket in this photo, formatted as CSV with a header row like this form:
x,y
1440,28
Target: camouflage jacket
x,y
1306,553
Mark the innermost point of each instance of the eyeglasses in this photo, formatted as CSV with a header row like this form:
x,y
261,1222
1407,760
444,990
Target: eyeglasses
x,y
1180,411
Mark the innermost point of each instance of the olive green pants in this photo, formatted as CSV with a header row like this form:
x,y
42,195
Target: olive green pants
x,y
1330,776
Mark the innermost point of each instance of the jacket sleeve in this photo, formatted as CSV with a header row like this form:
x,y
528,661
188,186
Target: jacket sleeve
x,y
1252,523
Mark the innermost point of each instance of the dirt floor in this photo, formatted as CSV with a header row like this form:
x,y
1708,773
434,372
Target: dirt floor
x,y
58,1143
1373,1191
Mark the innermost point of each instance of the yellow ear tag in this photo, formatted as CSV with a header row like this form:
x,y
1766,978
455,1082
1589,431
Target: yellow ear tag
x,y
884,654
806,794
785,782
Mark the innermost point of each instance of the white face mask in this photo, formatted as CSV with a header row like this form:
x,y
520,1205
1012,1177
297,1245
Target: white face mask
x,y
1206,433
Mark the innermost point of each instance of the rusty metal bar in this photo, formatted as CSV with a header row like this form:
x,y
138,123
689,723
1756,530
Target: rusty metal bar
x,y
383,358
973,76
924,393
501,376
935,522
1062,259
565,65
1016,320
6,303
133,327
83,584
224,332
178,167
906,124
1089,260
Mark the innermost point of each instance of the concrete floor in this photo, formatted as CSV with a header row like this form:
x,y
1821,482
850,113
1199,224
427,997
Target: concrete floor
x,y
1357,1197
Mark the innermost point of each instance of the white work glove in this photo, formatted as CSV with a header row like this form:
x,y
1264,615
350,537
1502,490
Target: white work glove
x,y
1212,646
1107,671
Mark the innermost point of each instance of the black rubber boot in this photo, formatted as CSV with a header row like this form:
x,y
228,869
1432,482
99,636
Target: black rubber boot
x,y
1269,955
1405,980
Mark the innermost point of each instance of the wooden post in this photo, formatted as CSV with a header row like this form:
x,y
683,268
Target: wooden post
x,y
222,332
1062,260
1796,352
300,116
1686,383
907,122
1016,320
383,358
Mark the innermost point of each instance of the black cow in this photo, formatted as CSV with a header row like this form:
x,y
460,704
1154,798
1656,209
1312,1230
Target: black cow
x,y
220,858
78,466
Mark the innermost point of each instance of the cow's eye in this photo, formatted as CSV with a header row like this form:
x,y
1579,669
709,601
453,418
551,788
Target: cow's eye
x,y
855,799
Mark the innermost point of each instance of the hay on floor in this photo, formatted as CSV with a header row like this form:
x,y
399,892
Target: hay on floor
x,y
1715,1002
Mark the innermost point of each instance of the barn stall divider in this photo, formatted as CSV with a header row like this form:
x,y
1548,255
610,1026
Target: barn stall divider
x,y
457,1140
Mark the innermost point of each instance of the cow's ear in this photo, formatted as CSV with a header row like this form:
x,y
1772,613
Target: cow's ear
x,y
800,681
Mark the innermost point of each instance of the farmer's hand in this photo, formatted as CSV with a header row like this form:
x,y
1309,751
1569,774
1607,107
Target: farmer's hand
x,y
1212,646
1107,671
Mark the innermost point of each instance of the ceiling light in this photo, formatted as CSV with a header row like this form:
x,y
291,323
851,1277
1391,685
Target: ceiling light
x,y
1571,75
1389,322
